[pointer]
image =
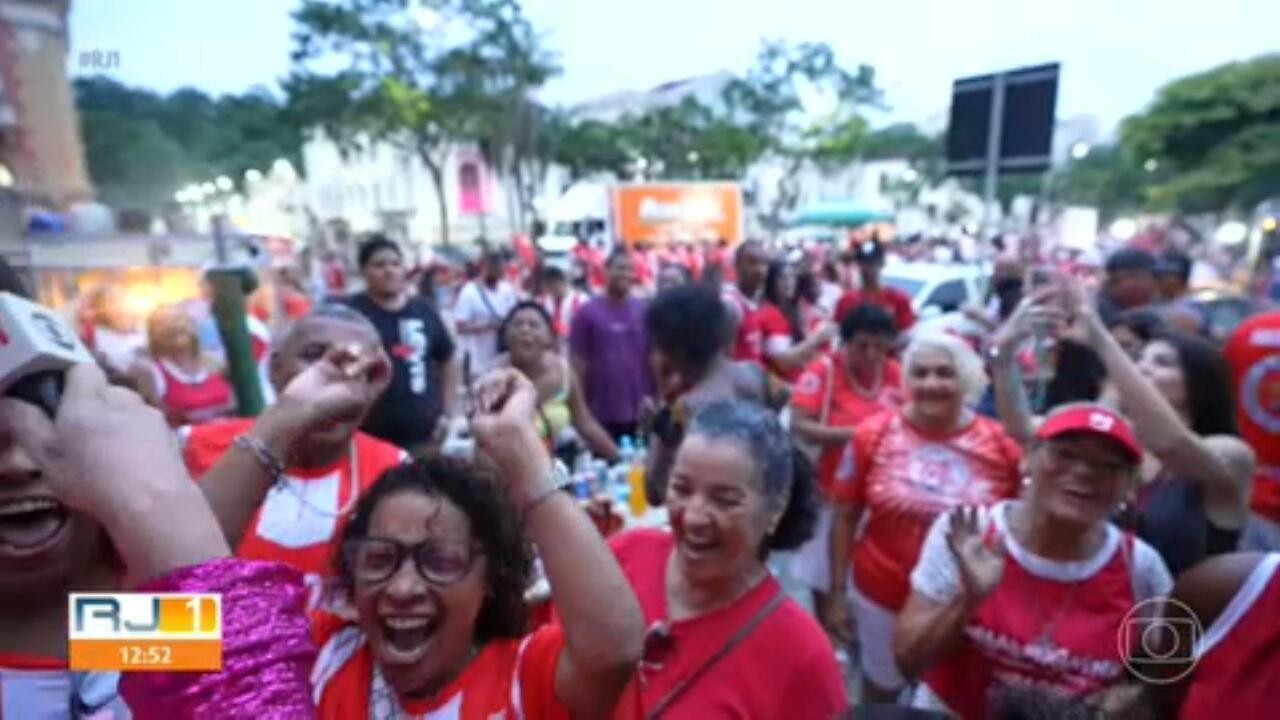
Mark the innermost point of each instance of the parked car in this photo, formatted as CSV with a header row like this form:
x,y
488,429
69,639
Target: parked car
x,y
939,291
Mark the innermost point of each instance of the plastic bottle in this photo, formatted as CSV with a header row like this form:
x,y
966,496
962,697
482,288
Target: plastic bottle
x,y
638,502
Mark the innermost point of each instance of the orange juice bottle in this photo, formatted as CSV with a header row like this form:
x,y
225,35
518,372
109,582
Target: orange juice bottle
x,y
638,502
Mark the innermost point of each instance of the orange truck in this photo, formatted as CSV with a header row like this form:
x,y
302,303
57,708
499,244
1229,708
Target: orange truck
x,y
656,213
660,213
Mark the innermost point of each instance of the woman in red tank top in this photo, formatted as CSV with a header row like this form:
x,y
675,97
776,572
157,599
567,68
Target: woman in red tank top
x,y
179,379
1036,602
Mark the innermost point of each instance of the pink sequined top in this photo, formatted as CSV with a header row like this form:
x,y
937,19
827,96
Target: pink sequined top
x,y
267,652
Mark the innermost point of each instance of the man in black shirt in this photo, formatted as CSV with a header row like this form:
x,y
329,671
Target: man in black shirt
x,y
425,383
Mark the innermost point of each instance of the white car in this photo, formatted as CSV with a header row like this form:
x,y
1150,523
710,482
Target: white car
x,y
938,292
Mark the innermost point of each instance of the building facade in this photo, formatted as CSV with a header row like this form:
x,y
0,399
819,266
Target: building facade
x,y
41,150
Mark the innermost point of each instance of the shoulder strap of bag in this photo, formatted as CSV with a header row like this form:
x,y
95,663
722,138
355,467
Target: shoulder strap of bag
x,y
743,633
484,298
830,392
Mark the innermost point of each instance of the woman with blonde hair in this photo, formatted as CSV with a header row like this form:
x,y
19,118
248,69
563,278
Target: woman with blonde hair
x,y
902,470
178,378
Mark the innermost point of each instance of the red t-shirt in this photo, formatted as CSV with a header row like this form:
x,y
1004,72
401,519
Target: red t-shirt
x,y
893,300
593,261
286,528
748,344
850,404
904,478
775,329
783,669
1235,674
510,678
1253,352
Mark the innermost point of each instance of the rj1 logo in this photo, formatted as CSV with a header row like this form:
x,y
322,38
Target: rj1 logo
x,y
138,615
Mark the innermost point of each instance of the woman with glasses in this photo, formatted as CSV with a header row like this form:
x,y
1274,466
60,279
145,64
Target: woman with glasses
x,y
905,468
724,639
428,617
1032,593
433,569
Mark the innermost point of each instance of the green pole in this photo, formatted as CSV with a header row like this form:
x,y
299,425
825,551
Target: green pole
x,y
230,286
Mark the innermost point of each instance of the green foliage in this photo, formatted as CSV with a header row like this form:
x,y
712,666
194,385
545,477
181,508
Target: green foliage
x,y
465,79
1215,133
1108,178
142,146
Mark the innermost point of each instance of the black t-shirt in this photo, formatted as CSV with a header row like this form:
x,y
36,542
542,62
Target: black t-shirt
x,y
417,342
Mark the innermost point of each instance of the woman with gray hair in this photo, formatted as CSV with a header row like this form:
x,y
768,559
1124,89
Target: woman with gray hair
x,y
902,470
724,639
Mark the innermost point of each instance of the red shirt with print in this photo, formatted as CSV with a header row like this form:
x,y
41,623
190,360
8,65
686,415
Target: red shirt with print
x,y
775,329
904,478
893,300
1253,353
299,524
748,344
510,678
850,404
783,669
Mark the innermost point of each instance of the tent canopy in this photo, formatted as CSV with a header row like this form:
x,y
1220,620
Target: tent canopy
x,y
839,213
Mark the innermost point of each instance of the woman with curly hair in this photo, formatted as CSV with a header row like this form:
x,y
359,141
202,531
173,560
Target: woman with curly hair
x,y
690,329
433,570
427,618
725,640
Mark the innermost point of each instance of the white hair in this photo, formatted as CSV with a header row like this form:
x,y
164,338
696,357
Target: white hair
x,y
969,370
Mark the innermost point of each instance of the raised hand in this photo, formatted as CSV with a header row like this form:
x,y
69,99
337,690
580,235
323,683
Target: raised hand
x,y
337,387
110,448
503,425
1033,310
1082,316
113,457
981,564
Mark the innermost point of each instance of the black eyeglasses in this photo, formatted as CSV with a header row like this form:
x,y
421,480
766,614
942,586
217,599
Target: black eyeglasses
x,y
375,560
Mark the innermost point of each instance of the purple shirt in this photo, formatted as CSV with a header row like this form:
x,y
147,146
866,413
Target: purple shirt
x,y
609,340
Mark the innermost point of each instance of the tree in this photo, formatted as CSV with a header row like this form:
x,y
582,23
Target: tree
x,y
141,146
1107,178
1216,135
583,147
414,86
774,102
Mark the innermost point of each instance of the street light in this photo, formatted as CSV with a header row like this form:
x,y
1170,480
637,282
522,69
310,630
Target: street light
x,y
224,183
1079,150
692,157
252,175
1150,165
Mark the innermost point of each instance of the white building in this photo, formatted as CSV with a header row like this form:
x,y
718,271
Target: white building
x,y
387,189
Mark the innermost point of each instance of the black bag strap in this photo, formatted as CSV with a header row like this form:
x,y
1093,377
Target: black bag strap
x,y
743,633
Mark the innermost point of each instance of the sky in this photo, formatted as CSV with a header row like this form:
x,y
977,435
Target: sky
x,y
1114,53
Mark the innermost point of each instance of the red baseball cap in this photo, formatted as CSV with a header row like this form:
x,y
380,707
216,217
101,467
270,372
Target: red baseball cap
x,y
1094,419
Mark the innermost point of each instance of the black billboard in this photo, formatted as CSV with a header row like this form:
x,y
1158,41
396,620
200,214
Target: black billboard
x,y
1027,120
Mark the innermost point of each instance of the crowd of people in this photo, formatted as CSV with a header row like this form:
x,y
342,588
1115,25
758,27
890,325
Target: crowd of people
x,y
1075,515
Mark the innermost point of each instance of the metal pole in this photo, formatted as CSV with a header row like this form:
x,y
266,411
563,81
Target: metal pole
x,y
994,130
230,285
219,240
